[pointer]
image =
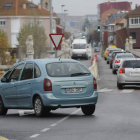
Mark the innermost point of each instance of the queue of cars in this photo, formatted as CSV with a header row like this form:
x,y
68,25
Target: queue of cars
x,y
125,65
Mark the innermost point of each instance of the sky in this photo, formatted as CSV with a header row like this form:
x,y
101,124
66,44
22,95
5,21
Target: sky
x,y
81,7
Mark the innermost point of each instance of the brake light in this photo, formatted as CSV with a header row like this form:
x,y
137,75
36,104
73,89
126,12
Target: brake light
x,y
95,83
47,85
122,70
117,61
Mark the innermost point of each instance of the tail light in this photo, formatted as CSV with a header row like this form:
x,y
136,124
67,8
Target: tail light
x,y
117,61
111,60
122,70
47,85
95,83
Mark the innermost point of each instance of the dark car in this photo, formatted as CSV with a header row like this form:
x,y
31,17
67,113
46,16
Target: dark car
x,y
113,57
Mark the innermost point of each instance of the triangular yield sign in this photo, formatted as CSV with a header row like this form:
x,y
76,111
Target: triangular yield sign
x,y
56,39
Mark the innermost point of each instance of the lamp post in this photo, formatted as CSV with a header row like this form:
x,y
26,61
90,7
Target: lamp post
x,y
51,23
63,14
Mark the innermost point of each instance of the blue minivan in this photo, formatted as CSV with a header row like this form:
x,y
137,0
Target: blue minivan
x,y
48,84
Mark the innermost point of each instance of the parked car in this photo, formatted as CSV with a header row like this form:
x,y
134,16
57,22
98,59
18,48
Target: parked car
x,y
48,84
118,60
113,57
107,50
110,53
129,73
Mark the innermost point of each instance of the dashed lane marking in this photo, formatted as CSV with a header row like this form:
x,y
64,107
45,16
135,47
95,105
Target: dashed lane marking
x,y
34,136
46,129
105,90
127,90
53,124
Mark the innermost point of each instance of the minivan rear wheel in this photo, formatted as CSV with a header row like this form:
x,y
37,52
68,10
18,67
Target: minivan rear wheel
x,y
88,109
39,108
3,110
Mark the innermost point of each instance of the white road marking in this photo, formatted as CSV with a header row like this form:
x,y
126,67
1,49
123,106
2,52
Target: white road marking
x,y
46,129
26,112
75,112
53,124
105,90
34,136
127,90
63,119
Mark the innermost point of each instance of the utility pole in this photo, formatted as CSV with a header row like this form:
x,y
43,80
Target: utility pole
x,y
51,23
62,14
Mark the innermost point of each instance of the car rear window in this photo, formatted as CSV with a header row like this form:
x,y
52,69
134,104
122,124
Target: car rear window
x,y
131,64
66,69
115,53
125,56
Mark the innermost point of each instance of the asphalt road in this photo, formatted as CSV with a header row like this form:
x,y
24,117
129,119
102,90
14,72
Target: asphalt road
x,y
116,116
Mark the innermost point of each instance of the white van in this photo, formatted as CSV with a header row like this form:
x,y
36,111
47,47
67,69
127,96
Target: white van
x,y
80,49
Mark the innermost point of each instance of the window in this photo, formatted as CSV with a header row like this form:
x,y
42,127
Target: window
x,y
40,23
46,5
66,69
31,5
134,20
9,4
131,64
133,34
27,72
16,73
79,46
31,22
37,72
2,23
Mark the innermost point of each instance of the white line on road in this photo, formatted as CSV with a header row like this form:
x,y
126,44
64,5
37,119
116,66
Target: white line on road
x,y
127,90
53,124
34,136
46,129
105,90
63,119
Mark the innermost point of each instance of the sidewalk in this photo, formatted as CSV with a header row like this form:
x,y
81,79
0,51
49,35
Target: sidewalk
x,y
136,52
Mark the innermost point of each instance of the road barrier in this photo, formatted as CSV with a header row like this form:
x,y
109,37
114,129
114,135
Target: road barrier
x,y
94,68
94,57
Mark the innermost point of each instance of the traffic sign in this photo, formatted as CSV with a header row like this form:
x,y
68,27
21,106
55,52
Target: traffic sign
x,y
72,24
56,39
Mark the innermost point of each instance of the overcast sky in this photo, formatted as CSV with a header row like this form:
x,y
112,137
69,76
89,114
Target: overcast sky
x,y
80,7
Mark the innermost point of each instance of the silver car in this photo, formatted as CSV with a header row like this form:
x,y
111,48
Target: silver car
x,y
118,60
129,73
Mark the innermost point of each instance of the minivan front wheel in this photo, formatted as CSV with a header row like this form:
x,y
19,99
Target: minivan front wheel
x,y
39,108
88,109
3,110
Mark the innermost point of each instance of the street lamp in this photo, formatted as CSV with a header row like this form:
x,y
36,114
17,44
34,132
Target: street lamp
x,y
62,12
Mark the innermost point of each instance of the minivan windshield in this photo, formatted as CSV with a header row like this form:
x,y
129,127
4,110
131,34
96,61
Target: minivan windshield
x,y
68,69
79,46
131,64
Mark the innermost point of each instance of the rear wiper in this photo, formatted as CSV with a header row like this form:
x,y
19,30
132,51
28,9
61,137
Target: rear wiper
x,y
77,74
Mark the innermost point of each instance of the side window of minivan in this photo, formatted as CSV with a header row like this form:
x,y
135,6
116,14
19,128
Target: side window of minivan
x,y
27,72
37,72
16,73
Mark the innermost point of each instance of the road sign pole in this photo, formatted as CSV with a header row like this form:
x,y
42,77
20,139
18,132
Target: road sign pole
x,y
55,53
51,22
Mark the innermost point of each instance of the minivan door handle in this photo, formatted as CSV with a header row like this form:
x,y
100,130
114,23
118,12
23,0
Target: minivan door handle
x,y
29,83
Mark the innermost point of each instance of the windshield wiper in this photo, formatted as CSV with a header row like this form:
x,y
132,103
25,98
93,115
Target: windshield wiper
x,y
77,74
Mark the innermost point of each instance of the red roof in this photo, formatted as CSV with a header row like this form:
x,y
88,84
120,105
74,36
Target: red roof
x,y
17,9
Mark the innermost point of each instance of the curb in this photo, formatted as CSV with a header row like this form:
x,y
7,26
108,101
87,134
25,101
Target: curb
x,y
2,138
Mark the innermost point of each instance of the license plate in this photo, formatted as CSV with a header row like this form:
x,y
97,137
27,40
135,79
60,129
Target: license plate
x,y
135,73
73,90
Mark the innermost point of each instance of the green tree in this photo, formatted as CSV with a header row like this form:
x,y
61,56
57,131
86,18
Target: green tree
x,y
39,38
5,50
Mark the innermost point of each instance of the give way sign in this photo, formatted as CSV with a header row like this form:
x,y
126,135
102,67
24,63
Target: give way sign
x,y
56,39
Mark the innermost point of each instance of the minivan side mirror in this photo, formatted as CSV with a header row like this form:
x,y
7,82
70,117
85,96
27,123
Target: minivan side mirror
x,y
4,80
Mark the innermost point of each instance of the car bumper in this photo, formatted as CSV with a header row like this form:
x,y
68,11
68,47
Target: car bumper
x,y
116,67
79,56
123,79
51,101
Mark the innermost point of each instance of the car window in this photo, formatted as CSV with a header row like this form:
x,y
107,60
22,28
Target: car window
x,y
37,72
27,72
132,64
79,46
16,73
125,56
65,69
